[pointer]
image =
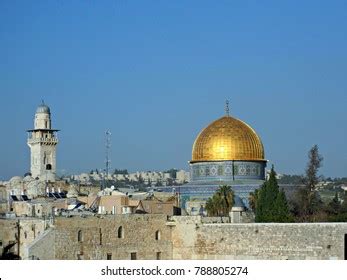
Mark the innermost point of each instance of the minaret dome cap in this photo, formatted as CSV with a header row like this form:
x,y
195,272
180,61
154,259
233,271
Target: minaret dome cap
x,y
43,108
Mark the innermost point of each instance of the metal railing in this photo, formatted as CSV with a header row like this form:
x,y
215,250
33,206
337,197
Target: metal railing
x,y
45,140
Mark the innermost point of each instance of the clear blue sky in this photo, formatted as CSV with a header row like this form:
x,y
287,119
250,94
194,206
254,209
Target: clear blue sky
x,y
156,72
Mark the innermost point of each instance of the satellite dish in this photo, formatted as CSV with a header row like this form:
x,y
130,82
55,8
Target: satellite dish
x,y
112,187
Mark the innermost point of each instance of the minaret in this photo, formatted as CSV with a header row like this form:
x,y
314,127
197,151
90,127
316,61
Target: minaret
x,y
42,141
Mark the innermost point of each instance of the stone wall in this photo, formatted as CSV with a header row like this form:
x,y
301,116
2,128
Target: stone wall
x,y
193,239
99,237
3,207
43,247
28,228
185,237
8,230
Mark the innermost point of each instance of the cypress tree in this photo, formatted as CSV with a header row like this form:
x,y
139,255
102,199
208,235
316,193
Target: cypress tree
x,y
271,203
282,213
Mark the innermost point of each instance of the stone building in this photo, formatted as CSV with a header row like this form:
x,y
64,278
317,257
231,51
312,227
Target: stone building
x,y
153,178
154,205
42,141
17,234
40,207
118,204
3,199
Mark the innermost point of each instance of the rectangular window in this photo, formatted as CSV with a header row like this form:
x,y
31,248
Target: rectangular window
x,y
158,255
133,256
109,256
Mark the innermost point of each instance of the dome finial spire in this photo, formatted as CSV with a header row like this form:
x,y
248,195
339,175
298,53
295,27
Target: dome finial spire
x,y
227,107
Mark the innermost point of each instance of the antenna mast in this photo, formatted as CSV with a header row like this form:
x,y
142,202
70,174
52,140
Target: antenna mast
x,y
107,155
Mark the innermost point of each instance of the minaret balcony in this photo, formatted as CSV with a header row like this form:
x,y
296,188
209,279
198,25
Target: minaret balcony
x,y
48,141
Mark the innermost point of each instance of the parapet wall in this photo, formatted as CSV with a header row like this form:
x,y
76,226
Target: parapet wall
x,y
184,237
195,240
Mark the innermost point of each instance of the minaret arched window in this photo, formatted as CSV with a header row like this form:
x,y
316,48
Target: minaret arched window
x,y
157,235
44,158
120,232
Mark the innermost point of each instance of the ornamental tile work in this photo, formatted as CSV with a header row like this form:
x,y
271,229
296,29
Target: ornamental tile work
x,y
227,170
204,191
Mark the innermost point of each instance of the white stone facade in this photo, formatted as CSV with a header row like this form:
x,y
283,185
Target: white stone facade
x,y
42,141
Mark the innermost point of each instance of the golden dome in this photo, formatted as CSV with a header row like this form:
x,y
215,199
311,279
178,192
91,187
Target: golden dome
x,y
227,139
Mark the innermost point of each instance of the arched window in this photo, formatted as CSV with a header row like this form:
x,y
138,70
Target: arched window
x,y
157,235
80,236
120,232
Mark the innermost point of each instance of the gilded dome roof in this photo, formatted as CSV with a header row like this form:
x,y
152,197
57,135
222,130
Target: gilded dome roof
x,y
227,139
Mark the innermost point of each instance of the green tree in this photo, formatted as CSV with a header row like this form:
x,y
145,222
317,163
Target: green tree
x,y
212,206
226,199
337,211
334,206
253,196
282,213
344,204
315,162
271,203
308,198
221,202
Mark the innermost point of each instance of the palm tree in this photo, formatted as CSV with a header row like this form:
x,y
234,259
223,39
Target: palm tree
x,y
227,199
211,208
252,200
221,202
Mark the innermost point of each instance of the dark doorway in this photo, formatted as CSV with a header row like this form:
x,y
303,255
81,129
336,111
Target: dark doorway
x,y
49,167
345,246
